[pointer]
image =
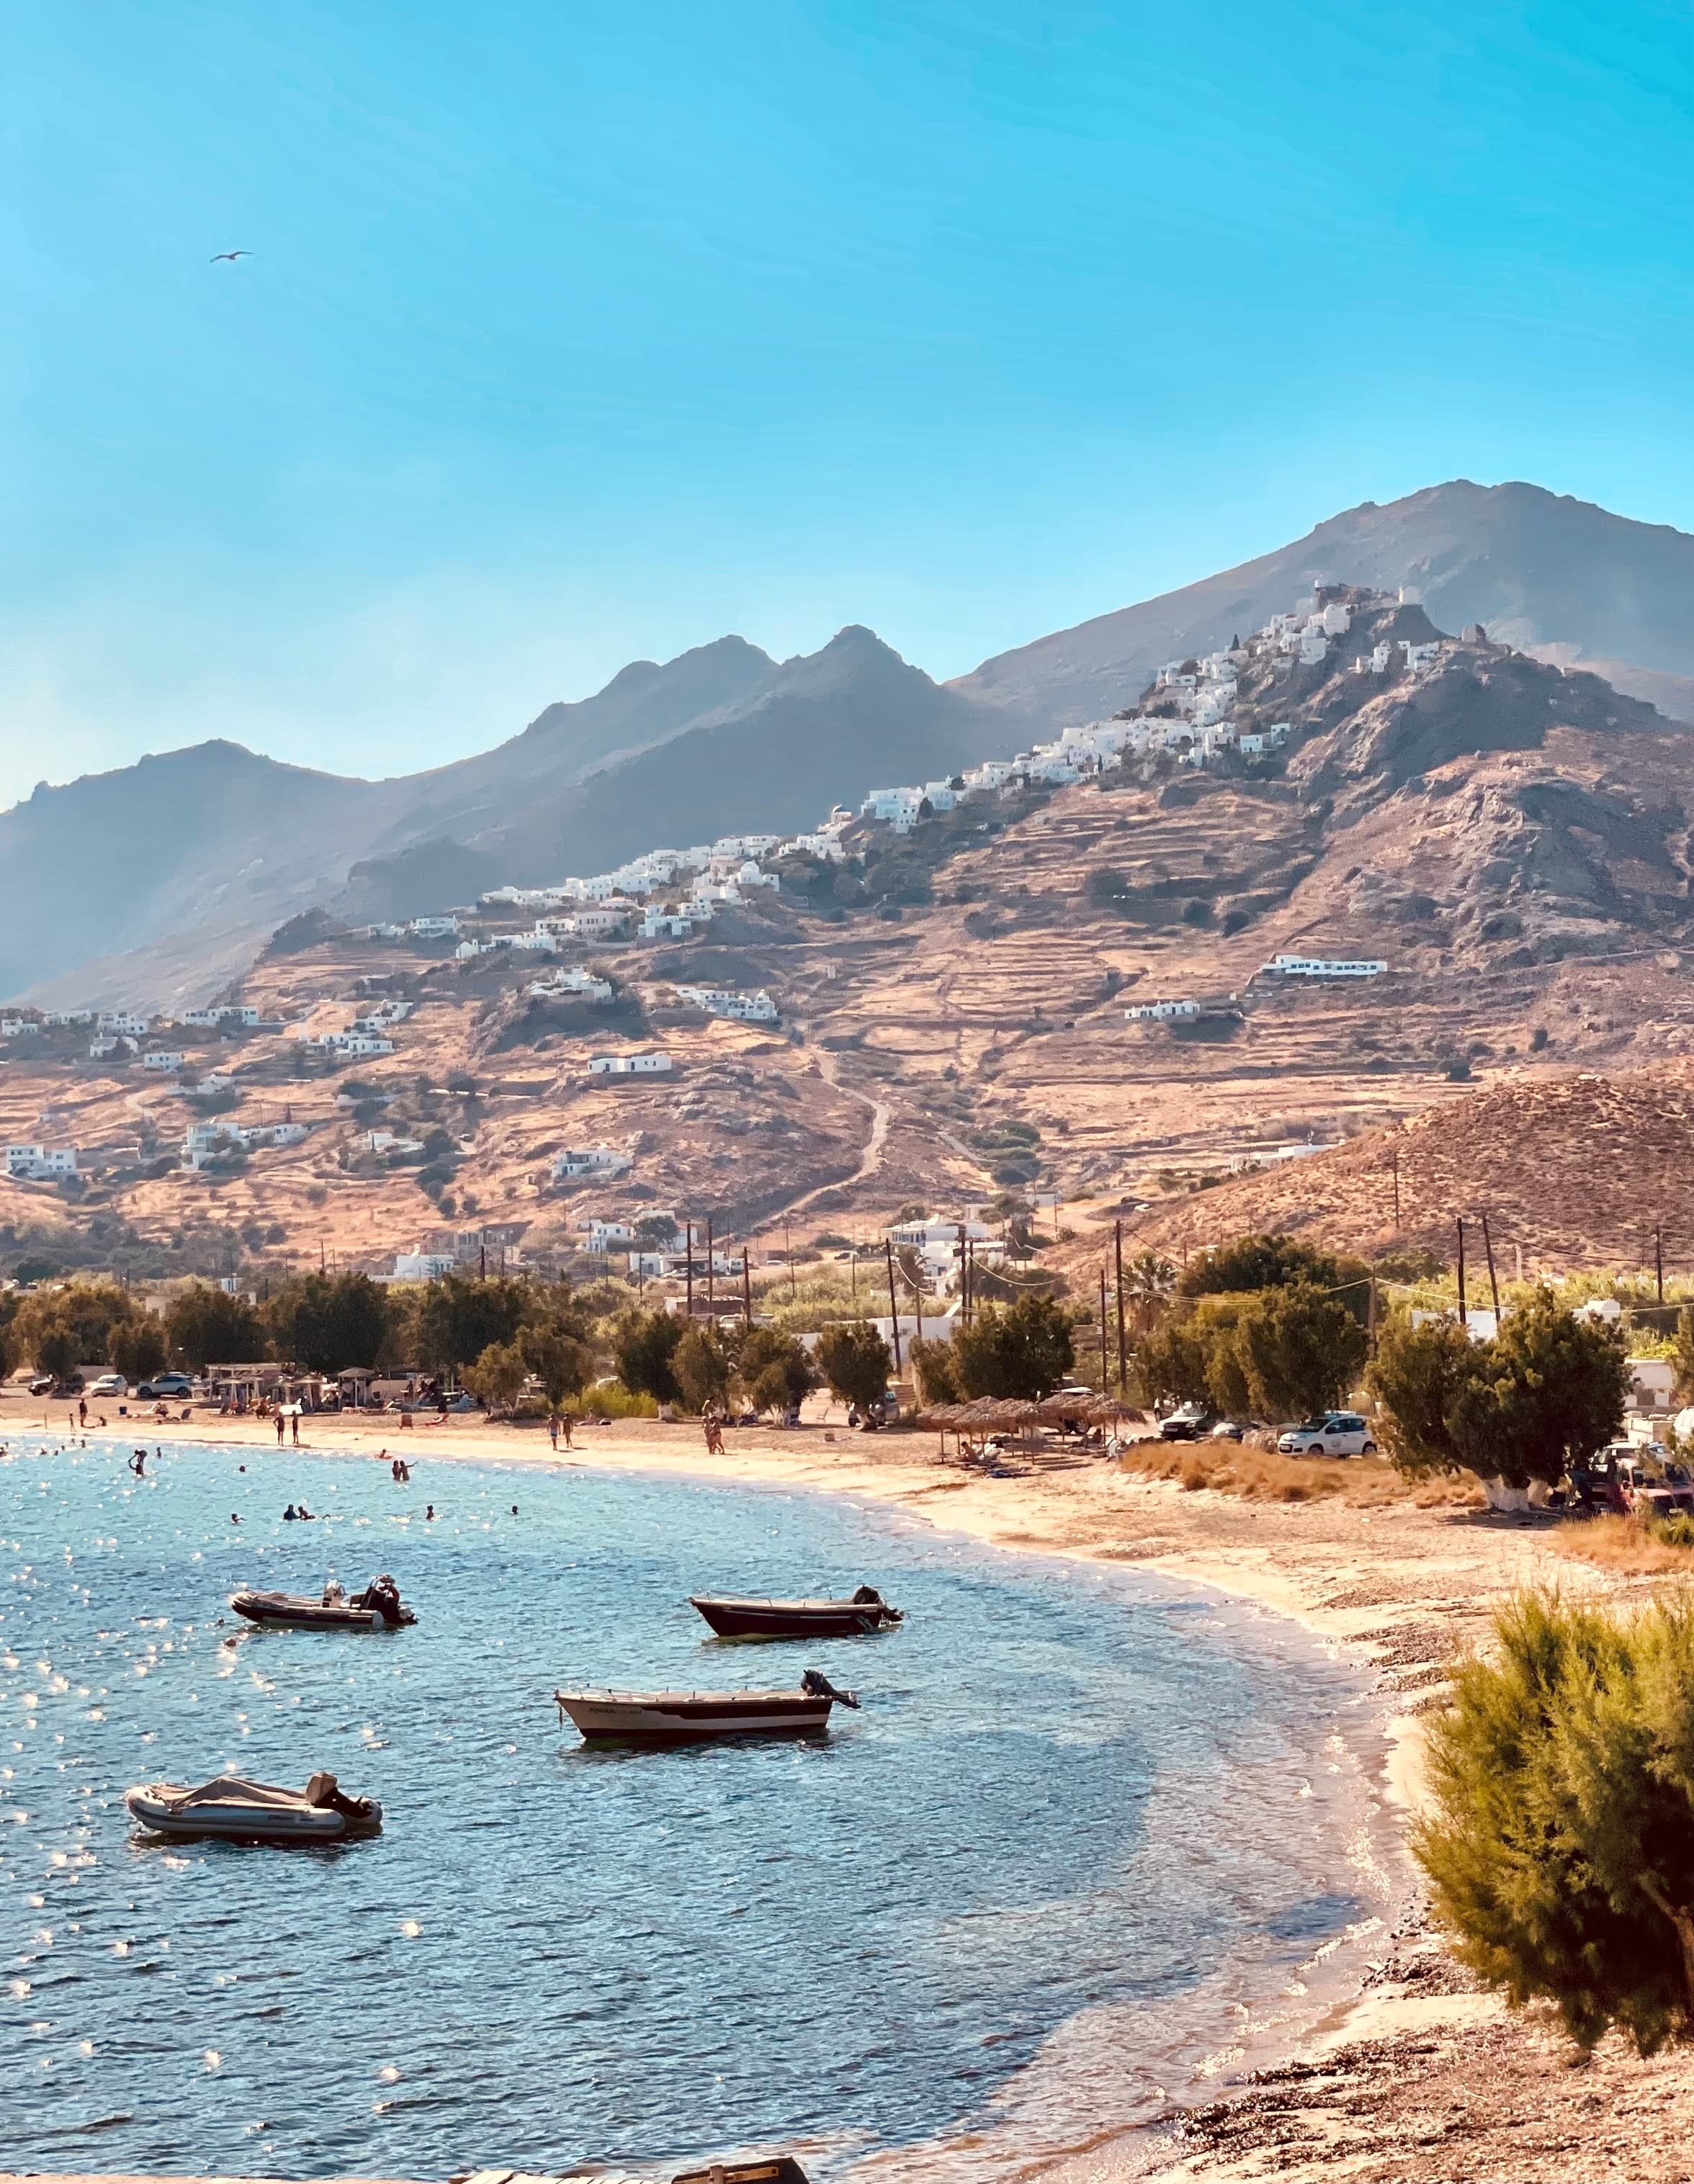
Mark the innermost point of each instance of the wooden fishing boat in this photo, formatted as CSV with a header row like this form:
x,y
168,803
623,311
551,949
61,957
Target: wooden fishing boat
x,y
242,1811
857,1617
378,1607
691,1717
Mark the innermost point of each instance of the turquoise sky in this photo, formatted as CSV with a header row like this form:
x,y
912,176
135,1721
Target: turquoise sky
x,y
575,333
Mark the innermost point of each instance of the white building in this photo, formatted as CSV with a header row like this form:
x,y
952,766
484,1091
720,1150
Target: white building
x,y
666,925
1420,656
740,1008
1314,644
1161,1011
576,1161
40,1163
124,1022
628,1064
443,927
597,921
164,1059
422,1265
1319,967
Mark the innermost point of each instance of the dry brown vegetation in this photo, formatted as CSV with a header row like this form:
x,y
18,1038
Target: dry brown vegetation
x,y
1259,1474
1624,1546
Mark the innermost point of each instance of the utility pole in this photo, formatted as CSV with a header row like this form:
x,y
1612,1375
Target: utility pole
x,y
788,1246
1493,1286
893,1301
747,1284
1370,1317
1122,1350
1394,1163
1104,1375
688,1275
1659,1261
711,1286
1463,1320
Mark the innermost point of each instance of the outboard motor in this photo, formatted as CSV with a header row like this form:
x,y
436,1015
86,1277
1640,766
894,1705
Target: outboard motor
x,y
867,1596
816,1685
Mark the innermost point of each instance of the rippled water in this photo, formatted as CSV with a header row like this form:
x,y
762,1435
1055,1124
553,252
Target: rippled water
x,y
1081,1820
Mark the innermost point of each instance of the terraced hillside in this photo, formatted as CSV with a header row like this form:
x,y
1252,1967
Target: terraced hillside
x,y
1513,840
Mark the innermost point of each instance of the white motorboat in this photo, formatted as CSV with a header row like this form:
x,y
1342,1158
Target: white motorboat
x,y
255,1811
689,1717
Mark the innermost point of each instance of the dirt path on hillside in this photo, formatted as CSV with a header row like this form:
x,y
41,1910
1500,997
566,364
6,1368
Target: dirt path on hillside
x,y
870,1159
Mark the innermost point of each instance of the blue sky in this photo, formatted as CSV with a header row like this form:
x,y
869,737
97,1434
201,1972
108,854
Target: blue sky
x,y
574,334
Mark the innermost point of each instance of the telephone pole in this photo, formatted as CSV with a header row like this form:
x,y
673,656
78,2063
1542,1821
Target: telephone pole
x,y
1493,1286
688,1273
1122,1350
893,1301
1104,1375
1463,1318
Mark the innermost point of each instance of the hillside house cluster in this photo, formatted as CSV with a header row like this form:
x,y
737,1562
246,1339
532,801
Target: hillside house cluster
x,y
939,1246
740,1008
204,1142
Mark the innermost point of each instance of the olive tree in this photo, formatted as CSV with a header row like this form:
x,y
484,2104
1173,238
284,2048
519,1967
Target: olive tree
x,y
854,1361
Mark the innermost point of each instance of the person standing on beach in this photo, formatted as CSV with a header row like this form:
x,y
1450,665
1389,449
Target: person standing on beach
x,y
553,1431
279,1425
295,1423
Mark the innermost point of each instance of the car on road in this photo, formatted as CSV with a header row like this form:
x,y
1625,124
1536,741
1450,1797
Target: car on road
x,y
44,1383
1187,1423
166,1383
108,1383
1233,1429
1337,1433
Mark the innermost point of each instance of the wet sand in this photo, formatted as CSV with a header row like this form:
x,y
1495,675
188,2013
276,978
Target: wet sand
x,y
1420,2078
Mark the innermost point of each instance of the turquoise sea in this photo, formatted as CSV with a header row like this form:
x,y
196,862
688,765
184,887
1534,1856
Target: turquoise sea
x,y
1087,1827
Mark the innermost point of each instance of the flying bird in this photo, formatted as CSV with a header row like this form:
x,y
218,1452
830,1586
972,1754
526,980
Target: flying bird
x,y
229,256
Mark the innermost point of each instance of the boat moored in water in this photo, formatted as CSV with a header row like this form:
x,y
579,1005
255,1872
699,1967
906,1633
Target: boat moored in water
x,y
730,1617
378,1607
240,1811
691,1717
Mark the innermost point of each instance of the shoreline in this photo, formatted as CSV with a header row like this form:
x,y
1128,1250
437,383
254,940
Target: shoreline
x,y
1393,1588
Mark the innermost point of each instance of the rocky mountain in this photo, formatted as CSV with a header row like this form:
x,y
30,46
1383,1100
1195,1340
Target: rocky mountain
x,y
183,864
154,883
1539,570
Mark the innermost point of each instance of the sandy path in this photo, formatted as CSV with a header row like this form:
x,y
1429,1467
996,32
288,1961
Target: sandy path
x,y
1421,2080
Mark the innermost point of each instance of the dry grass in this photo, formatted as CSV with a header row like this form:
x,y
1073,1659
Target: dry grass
x,y
1257,1474
1624,1546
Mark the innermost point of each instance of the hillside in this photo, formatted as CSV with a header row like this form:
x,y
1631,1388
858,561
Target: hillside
x,y
1513,840
1572,1171
186,861
1538,569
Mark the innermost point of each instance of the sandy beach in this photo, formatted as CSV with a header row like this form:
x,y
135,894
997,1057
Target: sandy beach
x,y
1421,2077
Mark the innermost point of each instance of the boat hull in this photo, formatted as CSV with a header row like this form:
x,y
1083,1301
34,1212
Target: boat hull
x,y
157,1809
795,1618
278,1611
692,1717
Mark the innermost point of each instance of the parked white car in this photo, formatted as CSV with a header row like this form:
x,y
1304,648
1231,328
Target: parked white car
x,y
108,1384
1337,1433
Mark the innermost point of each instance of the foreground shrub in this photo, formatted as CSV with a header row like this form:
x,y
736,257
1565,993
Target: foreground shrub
x,y
1561,1848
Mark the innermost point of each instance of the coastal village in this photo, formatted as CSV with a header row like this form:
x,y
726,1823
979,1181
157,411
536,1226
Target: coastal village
x,y
1069,1146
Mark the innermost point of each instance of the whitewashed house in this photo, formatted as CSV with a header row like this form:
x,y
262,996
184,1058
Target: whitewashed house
x,y
576,1161
1161,1011
40,1163
163,1058
444,927
629,1065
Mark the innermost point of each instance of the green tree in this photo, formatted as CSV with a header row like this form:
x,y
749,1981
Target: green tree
x,y
11,1348
1682,1354
854,1361
85,1311
1274,1262
1560,1845
1544,1395
644,1351
1414,1381
327,1323
1022,1351
702,1367
1298,1351
55,1346
558,1359
460,1315
136,1347
496,1378
1148,1282
774,1369
1174,1363
207,1326
935,1369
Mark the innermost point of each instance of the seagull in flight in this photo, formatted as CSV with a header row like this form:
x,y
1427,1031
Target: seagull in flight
x,y
229,257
